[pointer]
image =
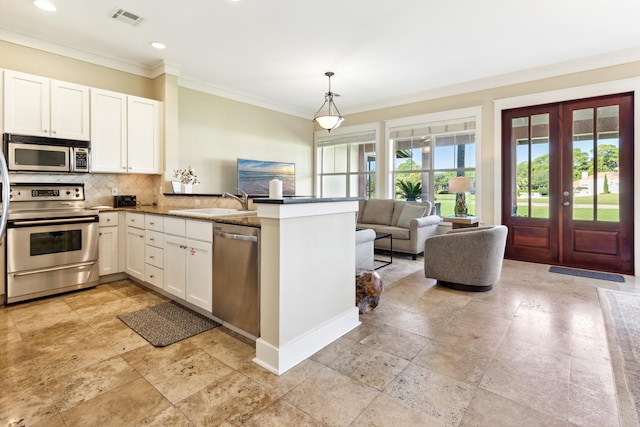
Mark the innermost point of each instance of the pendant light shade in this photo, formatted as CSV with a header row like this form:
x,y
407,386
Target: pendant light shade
x,y
328,118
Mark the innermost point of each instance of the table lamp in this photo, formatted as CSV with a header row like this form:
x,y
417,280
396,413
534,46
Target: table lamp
x,y
460,185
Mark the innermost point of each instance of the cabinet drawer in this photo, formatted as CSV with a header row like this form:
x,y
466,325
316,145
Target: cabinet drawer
x,y
153,222
200,230
154,238
154,275
175,226
108,219
135,220
154,256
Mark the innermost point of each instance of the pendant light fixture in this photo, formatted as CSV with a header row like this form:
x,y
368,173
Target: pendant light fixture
x,y
330,118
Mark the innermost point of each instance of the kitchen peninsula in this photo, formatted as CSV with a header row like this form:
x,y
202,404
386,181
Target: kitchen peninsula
x,y
307,258
307,277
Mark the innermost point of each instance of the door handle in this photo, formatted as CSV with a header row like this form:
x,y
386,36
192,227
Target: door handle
x,y
565,204
566,193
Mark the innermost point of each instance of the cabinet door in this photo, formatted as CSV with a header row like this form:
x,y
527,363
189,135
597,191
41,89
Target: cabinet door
x,y
199,273
144,141
26,104
108,131
174,265
134,261
69,111
108,250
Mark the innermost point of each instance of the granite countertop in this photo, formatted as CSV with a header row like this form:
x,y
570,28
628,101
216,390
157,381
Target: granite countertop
x,y
299,200
248,220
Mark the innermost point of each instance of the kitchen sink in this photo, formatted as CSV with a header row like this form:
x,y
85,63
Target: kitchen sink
x,y
212,212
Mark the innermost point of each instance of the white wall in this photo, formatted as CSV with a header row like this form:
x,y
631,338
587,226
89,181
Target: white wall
x,y
214,132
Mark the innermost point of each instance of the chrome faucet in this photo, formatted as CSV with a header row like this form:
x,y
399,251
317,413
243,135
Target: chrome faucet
x,y
243,199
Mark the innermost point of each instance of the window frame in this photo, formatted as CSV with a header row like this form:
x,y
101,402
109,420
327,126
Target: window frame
x,y
425,120
346,131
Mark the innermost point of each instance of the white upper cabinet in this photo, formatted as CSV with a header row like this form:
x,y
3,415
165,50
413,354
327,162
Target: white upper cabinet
x,y
35,105
108,131
126,133
144,141
26,104
69,111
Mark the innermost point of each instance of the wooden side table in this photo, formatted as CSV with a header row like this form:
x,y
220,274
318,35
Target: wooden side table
x,y
462,221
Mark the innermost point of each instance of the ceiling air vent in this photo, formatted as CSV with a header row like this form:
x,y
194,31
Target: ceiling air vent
x,y
126,17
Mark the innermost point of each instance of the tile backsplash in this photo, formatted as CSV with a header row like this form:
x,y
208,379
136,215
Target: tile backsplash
x,y
148,189
97,186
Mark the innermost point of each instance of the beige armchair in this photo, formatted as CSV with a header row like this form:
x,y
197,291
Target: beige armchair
x,y
467,259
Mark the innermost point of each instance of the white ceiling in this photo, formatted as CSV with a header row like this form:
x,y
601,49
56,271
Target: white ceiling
x,y
274,53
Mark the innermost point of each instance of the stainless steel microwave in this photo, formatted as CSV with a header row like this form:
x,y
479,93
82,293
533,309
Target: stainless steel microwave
x,y
41,154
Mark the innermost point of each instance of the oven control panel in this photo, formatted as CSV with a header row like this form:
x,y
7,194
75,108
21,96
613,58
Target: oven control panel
x,y
46,192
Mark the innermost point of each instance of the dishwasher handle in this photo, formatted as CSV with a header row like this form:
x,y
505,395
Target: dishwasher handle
x,y
234,236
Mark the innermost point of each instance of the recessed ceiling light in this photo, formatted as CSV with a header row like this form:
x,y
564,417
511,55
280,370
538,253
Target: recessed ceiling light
x,y
45,5
158,45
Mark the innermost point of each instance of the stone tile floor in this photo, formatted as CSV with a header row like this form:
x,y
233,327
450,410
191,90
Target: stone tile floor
x,y
531,352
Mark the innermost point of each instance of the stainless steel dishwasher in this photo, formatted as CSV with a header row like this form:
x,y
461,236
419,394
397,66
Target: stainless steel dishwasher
x,y
236,274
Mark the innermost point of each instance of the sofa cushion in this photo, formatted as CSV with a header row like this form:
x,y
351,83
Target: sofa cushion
x,y
410,212
377,211
396,232
397,211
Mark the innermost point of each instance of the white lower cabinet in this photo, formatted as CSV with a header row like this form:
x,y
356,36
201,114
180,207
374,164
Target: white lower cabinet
x,y
134,245
134,260
199,285
108,243
154,250
175,273
188,260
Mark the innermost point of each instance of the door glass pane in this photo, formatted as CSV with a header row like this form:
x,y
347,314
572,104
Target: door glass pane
x,y
540,166
583,166
608,145
520,168
530,185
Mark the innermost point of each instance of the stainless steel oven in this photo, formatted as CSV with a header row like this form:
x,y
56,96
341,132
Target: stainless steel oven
x,y
51,242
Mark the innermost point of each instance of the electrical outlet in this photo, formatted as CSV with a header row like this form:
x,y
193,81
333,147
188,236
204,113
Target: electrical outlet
x,y
114,191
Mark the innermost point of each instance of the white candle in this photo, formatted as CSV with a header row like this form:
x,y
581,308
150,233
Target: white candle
x,y
275,189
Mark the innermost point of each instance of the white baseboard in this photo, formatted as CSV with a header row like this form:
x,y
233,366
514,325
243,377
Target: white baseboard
x,y
279,360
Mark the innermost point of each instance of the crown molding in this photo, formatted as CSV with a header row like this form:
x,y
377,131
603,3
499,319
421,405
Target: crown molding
x,y
532,74
116,64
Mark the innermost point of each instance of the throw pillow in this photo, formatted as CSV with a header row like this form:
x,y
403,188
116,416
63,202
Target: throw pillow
x,y
408,213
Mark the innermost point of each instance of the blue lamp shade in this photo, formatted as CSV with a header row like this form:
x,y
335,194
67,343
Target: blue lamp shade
x,y
460,185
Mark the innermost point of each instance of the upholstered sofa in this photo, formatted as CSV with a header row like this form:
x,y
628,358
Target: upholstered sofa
x,y
409,223
467,259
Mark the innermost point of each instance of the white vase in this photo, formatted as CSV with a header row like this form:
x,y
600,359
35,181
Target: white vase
x,y
177,187
187,188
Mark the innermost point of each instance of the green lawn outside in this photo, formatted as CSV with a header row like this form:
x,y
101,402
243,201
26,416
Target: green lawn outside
x,y
447,202
540,207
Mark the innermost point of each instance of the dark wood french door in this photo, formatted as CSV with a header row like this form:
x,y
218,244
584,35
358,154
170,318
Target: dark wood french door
x,y
567,183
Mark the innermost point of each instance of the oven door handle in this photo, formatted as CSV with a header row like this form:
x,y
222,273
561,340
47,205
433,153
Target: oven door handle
x,y
46,270
53,221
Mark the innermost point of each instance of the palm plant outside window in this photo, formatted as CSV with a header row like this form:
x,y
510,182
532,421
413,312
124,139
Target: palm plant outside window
x,y
427,155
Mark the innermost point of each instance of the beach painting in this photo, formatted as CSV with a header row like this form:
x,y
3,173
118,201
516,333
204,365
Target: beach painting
x,y
254,176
